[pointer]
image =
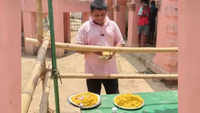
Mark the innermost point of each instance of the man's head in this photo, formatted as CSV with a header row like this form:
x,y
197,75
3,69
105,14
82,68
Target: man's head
x,y
145,3
98,11
153,3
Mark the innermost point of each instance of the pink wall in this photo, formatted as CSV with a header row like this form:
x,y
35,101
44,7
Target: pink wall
x,y
167,35
29,25
63,5
189,62
61,28
10,48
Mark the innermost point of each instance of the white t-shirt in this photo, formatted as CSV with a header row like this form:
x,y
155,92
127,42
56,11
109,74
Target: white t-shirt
x,y
140,11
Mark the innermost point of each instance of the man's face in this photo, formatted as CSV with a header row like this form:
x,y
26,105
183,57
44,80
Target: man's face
x,y
145,6
98,16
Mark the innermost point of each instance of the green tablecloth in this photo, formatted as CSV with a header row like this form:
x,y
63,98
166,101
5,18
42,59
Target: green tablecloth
x,y
155,102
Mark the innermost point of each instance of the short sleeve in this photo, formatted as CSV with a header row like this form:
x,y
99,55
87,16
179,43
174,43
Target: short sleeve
x,y
81,37
118,36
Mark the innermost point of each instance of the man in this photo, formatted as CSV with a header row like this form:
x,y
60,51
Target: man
x,y
101,31
143,23
152,23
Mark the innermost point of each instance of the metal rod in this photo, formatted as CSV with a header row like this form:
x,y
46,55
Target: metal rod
x,y
53,53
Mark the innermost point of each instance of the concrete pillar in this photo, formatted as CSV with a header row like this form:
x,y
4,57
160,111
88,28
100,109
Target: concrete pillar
x,y
120,14
132,24
189,63
167,35
133,7
29,24
10,58
59,30
67,35
85,16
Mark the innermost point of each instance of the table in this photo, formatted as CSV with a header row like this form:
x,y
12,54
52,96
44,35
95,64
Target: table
x,y
154,102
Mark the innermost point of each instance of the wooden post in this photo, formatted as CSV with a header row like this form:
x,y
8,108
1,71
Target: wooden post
x,y
45,93
39,20
32,82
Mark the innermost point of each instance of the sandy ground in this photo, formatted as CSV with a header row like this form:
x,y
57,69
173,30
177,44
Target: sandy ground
x,y
74,63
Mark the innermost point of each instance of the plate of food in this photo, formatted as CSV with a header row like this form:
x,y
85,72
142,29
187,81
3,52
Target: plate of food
x,y
128,101
85,100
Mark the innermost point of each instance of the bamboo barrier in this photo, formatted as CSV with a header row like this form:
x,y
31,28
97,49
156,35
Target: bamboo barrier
x,y
119,76
27,94
38,69
32,40
45,93
86,48
39,20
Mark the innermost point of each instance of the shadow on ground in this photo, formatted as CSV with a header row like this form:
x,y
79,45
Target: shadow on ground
x,y
156,84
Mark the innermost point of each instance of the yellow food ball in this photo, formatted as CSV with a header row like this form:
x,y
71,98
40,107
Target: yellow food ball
x,y
129,100
85,99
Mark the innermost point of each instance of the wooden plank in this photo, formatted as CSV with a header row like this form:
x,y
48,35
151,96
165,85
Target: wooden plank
x,y
119,76
86,48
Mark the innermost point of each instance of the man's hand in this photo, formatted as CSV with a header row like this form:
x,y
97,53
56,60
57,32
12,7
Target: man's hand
x,y
82,52
98,53
106,55
111,56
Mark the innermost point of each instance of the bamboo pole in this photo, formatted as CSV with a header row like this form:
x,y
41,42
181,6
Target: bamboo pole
x,y
39,20
76,47
45,93
86,48
31,40
29,88
119,76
